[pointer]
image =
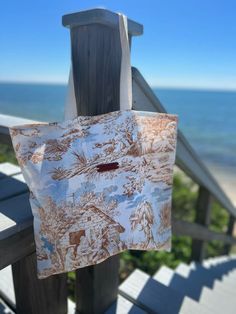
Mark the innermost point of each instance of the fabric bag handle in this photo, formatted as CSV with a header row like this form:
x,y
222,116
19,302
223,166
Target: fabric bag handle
x,y
125,76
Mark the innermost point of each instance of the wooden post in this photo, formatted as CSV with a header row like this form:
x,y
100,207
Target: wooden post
x,y
203,215
229,232
44,296
96,64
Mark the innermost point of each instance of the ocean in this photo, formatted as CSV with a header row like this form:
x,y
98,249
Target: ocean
x,y
207,118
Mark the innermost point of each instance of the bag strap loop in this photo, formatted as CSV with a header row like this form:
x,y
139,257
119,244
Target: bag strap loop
x,y
125,76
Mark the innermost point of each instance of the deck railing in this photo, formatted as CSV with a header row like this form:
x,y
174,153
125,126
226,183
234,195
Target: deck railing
x,y
188,160
97,286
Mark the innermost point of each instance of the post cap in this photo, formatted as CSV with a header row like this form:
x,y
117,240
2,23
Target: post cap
x,y
99,16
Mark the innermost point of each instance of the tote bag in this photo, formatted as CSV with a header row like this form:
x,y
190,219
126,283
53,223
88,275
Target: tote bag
x,y
99,184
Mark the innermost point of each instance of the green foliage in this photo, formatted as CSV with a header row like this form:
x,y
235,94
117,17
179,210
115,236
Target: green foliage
x,y
219,222
219,218
7,154
184,197
71,285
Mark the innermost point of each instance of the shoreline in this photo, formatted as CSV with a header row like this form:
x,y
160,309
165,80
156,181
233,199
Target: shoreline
x,y
226,177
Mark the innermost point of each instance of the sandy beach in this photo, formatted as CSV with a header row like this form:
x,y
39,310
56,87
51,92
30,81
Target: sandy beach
x,y
226,177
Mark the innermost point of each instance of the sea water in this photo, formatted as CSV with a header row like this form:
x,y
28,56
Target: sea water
x,y
207,118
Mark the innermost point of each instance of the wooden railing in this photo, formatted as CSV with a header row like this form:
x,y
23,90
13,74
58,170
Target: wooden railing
x,y
191,164
96,286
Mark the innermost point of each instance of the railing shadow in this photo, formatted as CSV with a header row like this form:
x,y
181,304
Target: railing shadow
x,y
118,307
155,297
4,309
201,277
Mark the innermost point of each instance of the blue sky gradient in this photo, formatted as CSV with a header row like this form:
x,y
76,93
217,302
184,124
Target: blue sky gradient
x,y
185,43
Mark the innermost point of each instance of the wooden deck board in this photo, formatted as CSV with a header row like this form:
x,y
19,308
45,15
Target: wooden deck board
x,y
15,215
196,287
16,247
122,306
11,181
8,169
16,233
12,186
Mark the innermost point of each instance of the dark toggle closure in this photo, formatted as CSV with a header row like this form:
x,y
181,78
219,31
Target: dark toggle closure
x,y
107,167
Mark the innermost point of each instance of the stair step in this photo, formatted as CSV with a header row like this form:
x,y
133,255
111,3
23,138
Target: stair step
x,y
172,278
155,297
224,273
122,306
164,275
216,260
217,301
4,309
205,275
224,267
194,289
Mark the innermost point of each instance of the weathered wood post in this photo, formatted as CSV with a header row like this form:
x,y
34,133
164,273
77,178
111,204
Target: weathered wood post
x,y
96,64
44,296
203,215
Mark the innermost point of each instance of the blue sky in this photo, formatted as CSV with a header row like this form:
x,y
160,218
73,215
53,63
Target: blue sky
x,y
185,43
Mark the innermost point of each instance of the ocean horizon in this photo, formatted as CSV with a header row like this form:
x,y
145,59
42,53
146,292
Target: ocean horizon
x,y
206,117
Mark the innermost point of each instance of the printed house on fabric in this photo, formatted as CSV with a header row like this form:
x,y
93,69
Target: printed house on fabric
x,y
96,233
99,185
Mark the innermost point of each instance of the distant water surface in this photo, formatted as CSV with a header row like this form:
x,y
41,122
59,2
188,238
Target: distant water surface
x,y
207,118
33,101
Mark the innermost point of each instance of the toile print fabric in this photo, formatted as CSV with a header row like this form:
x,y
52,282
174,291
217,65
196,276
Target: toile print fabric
x,y
99,185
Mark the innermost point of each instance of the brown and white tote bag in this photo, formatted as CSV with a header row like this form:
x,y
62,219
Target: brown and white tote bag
x,y
99,184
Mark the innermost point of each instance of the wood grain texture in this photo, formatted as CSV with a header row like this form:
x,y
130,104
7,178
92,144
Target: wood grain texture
x,y
203,214
96,60
97,286
47,296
